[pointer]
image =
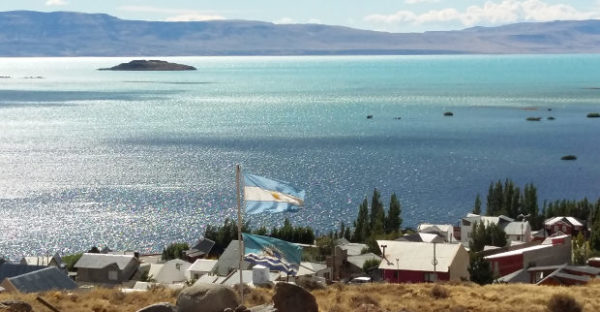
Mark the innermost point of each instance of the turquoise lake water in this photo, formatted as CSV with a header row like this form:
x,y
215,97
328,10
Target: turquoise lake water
x,y
136,160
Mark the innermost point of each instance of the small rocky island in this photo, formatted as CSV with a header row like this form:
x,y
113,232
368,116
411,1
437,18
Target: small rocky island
x,y
150,65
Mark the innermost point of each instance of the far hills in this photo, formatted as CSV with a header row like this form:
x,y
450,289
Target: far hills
x,y
29,33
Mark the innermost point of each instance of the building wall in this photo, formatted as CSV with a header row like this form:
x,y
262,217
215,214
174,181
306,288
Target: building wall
x,y
173,271
521,237
560,226
506,265
466,227
102,275
405,276
459,268
557,254
8,286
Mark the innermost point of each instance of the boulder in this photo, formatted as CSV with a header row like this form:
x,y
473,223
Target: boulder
x,y
207,298
292,298
159,307
15,306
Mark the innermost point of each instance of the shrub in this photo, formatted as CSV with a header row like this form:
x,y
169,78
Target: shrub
x,y
175,251
371,264
70,260
593,115
439,292
563,303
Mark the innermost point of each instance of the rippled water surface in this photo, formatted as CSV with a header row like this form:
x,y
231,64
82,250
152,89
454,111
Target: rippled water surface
x,y
135,160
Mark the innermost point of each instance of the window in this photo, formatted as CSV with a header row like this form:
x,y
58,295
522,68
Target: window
x,y
113,275
178,266
564,229
431,277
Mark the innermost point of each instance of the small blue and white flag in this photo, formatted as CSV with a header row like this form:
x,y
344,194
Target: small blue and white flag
x,y
267,195
273,253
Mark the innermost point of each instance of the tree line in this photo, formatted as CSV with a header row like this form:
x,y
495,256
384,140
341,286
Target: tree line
x,y
506,198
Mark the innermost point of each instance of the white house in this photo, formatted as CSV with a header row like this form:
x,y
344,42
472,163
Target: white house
x,y
173,271
518,231
446,231
201,267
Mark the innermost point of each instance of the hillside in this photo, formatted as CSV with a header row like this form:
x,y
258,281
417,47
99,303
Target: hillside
x,y
383,297
28,33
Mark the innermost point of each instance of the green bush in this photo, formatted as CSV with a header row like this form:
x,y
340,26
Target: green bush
x,y
175,251
70,260
371,264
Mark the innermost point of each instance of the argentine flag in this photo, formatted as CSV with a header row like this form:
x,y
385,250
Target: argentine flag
x,y
271,196
273,253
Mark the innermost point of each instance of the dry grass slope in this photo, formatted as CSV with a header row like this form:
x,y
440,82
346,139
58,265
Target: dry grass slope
x,y
461,297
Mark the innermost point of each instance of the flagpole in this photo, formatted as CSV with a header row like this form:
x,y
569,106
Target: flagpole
x,y
238,170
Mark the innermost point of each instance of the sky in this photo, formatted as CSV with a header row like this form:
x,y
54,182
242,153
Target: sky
x,y
382,15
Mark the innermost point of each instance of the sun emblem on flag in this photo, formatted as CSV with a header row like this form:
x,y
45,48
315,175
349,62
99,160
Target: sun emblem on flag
x,y
276,195
272,251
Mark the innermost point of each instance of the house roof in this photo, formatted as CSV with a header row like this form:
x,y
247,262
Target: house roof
x,y
422,237
42,280
514,228
415,237
426,227
519,276
203,247
43,260
416,256
583,269
517,251
353,249
155,269
230,259
207,279
341,241
309,268
12,269
556,238
562,277
168,271
360,260
203,265
486,219
571,220
99,261
546,268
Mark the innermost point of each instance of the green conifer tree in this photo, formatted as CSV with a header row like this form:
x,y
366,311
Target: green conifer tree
x,y
361,224
477,205
394,220
377,216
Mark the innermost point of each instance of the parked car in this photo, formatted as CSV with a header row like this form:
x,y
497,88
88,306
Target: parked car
x,y
360,280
